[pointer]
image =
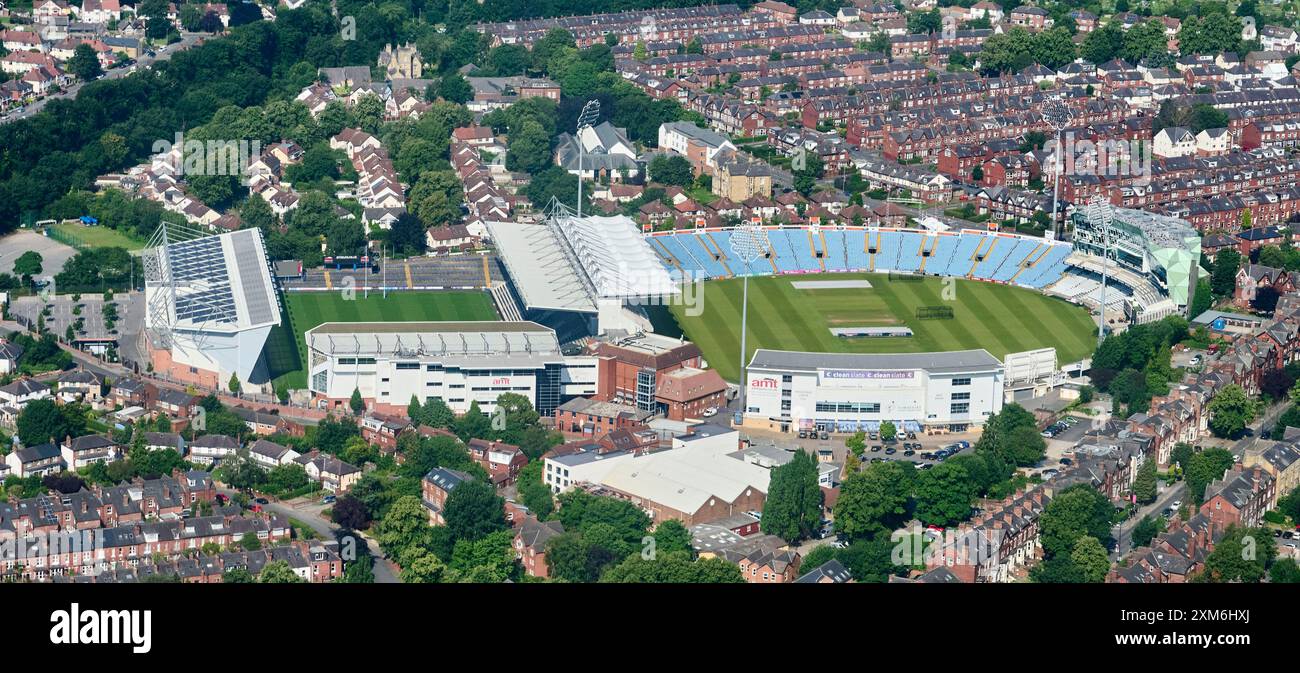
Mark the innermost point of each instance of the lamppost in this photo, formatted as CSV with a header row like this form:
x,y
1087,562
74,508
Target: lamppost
x,y
1058,115
1100,216
749,242
590,113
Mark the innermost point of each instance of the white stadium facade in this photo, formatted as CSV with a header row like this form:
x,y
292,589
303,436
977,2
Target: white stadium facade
x,y
791,391
458,362
211,303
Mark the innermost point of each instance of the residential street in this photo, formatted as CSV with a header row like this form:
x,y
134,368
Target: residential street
x,y
1123,533
187,40
308,512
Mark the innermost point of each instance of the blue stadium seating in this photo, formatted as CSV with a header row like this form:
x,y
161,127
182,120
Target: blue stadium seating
x,y
887,256
855,241
835,257
844,250
941,256
909,253
993,257
961,258
1012,263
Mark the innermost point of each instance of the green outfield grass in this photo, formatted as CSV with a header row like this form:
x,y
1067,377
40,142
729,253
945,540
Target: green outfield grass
x,y
999,318
285,346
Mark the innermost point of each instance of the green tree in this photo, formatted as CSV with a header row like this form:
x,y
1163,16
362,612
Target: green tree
x,y
233,384
1076,512
1242,555
671,537
944,494
1230,411
794,500
671,170
85,63
419,566
473,510
357,404
874,500
1223,281
1206,467
1284,571
1090,558
1144,484
1146,530
250,542
888,430
405,525
28,264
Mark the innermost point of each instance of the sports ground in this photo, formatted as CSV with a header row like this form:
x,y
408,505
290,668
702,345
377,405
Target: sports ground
x,y
999,318
285,347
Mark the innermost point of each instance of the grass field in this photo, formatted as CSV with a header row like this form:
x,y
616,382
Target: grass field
x,y
81,236
285,347
998,318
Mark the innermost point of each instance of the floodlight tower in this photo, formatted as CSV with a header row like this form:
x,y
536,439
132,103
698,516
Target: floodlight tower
x,y
590,113
1100,215
749,242
1058,115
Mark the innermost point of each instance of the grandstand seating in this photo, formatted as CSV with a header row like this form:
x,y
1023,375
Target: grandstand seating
x,y
909,252
1012,264
836,257
1021,260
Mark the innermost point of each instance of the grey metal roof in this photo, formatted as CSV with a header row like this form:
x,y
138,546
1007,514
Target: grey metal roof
x,y
952,362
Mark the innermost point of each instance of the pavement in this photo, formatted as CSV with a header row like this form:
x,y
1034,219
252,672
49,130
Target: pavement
x,y
53,253
187,40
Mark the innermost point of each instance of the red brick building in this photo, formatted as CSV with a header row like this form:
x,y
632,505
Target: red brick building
x,y
687,392
628,370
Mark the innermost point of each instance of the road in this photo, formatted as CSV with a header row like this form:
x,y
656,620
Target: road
x,y
384,570
187,40
1123,533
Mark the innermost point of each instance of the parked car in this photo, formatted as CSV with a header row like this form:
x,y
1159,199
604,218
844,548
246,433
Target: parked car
x,y
262,501
803,434
1067,461
909,453
327,500
891,451
876,448
710,412
825,435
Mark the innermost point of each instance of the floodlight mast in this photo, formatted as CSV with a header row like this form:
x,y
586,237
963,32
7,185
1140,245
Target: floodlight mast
x,y
1058,115
590,113
749,242
1100,215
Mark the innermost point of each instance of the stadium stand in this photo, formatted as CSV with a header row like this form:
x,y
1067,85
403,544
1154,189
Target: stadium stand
x,y
1008,258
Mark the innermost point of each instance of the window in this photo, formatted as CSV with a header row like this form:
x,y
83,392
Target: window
x,y
961,396
961,382
959,408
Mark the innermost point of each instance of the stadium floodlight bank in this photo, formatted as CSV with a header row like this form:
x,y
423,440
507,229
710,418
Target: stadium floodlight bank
x,y
1164,249
210,304
951,391
458,362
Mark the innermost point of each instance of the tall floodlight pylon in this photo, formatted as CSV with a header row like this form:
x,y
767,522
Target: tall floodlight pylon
x,y
1058,115
749,241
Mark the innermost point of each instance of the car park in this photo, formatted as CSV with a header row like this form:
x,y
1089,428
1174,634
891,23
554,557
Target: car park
x,y
876,448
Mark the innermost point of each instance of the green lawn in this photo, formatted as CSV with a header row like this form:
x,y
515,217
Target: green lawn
x,y
81,236
999,318
306,310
